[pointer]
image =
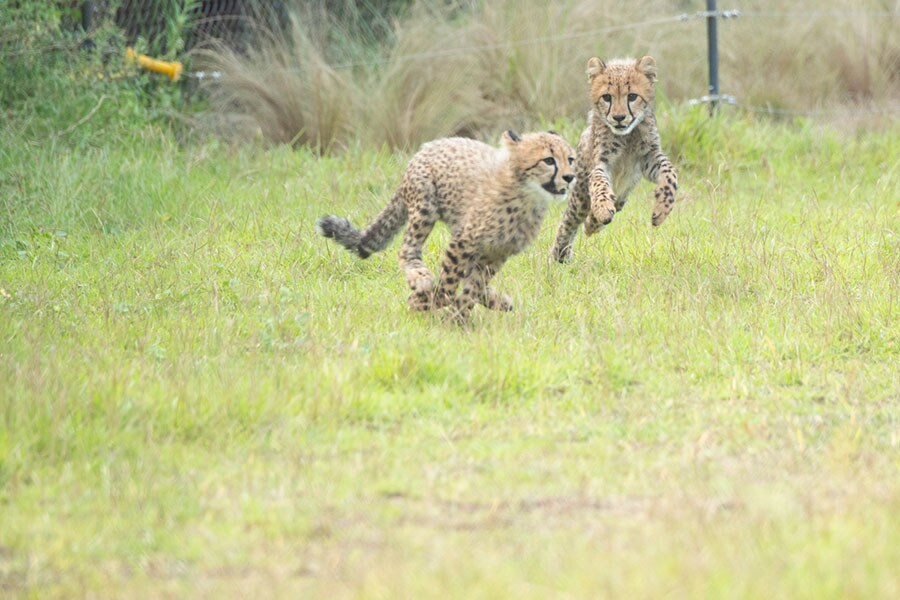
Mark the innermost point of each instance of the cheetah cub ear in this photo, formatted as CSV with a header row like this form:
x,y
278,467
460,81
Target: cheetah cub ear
x,y
510,138
595,66
647,66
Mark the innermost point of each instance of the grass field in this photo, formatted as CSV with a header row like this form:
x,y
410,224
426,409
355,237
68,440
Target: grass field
x,y
202,398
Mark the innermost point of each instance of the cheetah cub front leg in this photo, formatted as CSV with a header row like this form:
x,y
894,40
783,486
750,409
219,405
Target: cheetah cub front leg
x,y
459,267
659,169
603,200
665,193
491,298
455,270
474,289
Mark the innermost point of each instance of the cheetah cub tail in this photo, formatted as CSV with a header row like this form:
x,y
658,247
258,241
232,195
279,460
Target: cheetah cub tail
x,y
343,232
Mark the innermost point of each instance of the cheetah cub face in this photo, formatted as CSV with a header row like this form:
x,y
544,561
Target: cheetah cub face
x,y
622,91
544,160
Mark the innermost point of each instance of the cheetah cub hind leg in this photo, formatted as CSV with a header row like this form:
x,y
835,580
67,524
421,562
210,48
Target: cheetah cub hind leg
x,y
422,301
425,295
494,300
421,282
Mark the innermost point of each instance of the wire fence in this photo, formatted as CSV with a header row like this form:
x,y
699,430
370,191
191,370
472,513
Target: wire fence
x,y
165,27
185,24
678,18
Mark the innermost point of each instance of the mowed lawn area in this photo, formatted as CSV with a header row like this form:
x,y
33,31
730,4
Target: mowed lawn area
x,y
200,397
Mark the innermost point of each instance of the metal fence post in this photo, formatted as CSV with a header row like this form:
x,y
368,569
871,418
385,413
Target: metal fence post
x,y
712,45
87,16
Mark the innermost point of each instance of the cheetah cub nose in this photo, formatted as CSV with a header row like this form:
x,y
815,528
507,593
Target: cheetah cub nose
x,y
619,118
568,178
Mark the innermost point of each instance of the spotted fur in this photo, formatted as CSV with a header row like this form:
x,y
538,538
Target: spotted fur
x,y
620,144
492,199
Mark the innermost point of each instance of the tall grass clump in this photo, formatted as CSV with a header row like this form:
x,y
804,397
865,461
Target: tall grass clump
x,y
477,68
281,86
422,89
834,54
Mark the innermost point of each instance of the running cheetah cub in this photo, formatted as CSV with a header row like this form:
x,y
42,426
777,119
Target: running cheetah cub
x,y
493,200
620,144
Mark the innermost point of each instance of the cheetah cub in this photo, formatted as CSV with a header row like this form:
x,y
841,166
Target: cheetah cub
x,y
493,200
620,144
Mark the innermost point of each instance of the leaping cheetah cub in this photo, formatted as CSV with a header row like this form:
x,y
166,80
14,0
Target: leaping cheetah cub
x,y
620,144
493,200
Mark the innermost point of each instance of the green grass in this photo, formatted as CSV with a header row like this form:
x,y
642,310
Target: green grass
x,y
202,398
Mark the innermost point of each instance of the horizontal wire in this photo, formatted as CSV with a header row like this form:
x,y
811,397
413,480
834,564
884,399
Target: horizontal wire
x,y
814,12
681,17
771,110
515,43
726,14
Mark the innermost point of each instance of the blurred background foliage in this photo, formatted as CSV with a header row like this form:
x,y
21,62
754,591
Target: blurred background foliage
x,y
328,74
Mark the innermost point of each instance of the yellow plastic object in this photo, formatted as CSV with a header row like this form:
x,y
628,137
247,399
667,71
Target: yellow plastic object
x,y
170,69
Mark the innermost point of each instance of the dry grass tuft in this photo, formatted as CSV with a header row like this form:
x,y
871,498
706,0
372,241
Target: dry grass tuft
x,y
409,100
284,86
817,60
